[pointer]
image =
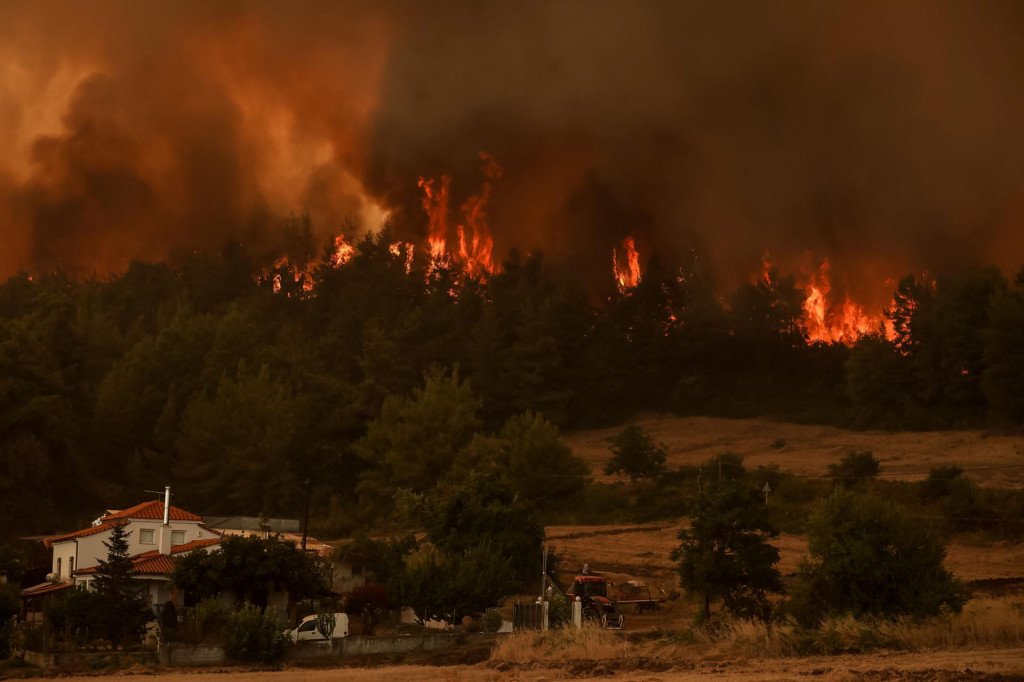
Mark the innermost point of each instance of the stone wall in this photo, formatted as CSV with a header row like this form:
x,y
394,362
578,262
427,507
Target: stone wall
x,y
92,660
175,654
190,654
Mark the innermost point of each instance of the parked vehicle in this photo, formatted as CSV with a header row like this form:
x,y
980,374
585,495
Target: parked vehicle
x,y
597,607
307,632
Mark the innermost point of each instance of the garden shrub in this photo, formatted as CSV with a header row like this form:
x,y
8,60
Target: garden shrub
x,y
254,636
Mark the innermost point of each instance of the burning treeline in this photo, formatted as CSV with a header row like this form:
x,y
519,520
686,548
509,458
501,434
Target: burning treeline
x,y
234,387
462,243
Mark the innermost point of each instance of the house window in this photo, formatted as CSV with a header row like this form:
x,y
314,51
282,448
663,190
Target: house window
x,y
177,537
58,567
146,536
71,566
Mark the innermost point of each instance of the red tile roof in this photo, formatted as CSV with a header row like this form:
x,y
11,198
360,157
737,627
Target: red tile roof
x,y
154,509
44,588
153,561
91,530
195,544
159,564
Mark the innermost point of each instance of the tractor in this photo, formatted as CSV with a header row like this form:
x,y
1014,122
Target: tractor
x,y
592,591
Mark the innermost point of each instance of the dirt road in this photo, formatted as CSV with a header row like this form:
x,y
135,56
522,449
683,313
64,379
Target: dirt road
x,y
988,664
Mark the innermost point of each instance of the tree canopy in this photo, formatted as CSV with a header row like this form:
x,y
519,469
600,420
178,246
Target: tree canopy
x,y
249,567
635,454
382,375
866,559
725,555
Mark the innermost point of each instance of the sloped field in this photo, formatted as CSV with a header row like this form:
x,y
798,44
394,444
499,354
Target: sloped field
x,y
991,459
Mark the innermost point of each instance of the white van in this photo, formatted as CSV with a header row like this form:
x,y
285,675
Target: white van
x,y
307,632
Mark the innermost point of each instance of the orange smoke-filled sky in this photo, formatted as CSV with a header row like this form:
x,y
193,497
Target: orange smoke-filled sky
x,y
883,136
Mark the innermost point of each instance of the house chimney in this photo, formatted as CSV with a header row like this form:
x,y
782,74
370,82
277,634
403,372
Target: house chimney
x,y
164,539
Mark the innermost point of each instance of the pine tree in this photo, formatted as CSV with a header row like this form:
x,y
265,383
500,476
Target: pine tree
x,y
635,454
725,554
121,614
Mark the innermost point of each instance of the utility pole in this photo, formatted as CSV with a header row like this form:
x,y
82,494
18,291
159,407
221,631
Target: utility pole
x,y
543,572
305,518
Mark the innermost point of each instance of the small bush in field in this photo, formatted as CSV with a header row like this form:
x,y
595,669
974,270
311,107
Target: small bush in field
x,y
854,468
492,620
254,636
559,610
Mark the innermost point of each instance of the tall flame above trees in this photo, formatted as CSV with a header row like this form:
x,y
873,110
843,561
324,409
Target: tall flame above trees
x,y
627,270
830,321
826,318
475,244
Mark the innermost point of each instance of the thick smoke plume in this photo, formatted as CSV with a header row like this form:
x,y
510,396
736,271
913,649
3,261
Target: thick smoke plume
x,y
883,136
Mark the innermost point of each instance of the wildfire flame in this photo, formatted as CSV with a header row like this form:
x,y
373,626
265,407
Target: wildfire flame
x,y
627,274
435,205
840,322
343,251
475,244
398,249
826,320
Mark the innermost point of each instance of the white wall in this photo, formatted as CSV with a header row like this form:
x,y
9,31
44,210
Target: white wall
x,y
192,530
89,549
65,552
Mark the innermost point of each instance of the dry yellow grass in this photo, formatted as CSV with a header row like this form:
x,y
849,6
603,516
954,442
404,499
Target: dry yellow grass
x,y
627,551
810,449
620,551
983,623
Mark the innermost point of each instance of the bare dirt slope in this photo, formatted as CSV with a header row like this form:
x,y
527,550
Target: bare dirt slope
x,y
809,450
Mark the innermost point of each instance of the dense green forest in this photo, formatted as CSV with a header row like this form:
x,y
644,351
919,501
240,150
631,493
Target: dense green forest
x,y
382,379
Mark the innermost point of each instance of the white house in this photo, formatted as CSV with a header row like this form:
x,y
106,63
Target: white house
x,y
157,531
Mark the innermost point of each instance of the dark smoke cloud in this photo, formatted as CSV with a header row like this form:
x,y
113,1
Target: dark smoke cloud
x,y
884,136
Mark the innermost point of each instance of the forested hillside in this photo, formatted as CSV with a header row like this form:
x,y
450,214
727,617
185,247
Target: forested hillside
x,y
245,389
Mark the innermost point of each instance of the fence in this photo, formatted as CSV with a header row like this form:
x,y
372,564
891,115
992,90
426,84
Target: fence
x,y
531,616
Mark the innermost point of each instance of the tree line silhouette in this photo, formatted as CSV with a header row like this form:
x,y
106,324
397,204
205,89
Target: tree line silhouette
x,y
195,372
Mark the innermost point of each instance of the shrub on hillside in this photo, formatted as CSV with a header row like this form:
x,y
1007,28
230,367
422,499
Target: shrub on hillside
x,y
635,454
868,560
854,468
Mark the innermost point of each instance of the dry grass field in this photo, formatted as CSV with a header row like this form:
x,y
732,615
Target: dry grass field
x,y
640,551
804,449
